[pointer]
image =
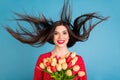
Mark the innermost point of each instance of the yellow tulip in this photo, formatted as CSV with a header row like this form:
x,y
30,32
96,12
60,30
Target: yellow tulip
x,y
42,66
67,55
44,61
74,60
53,60
62,60
73,54
53,63
81,73
76,68
49,69
68,72
64,66
58,67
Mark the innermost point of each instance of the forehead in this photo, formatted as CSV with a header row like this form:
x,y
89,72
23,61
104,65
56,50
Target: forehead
x,y
61,28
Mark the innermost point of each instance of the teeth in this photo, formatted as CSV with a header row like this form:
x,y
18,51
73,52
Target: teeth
x,y
61,41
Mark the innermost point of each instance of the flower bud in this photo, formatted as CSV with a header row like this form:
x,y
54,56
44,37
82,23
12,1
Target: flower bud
x,y
49,59
53,60
76,68
81,73
53,63
44,61
58,67
49,69
57,58
73,54
68,72
74,60
48,64
64,66
69,64
53,68
68,59
67,55
60,61
41,65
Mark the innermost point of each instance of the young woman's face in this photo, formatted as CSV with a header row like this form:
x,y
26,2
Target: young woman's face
x,y
61,36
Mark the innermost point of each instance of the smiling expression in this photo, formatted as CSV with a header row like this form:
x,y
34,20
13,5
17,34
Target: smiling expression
x,y
61,36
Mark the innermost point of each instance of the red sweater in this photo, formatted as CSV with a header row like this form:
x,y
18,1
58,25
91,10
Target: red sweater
x,y
40,75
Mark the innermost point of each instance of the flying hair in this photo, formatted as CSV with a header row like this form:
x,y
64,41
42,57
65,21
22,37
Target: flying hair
x,y
43,28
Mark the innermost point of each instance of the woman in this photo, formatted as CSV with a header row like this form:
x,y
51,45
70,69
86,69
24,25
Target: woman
x,y
61,33
61,37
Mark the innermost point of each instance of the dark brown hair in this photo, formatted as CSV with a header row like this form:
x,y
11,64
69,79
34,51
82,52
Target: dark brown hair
x,y
43,28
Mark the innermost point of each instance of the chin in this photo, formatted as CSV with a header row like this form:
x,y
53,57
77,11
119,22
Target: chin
x,y
62,45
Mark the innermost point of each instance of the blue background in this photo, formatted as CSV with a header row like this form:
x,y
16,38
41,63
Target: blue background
x,y
101,52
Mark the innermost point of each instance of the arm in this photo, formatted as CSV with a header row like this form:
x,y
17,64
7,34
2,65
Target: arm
x,y
37,72
82,68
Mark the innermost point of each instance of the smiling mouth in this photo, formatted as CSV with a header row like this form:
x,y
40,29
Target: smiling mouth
x,y
60,41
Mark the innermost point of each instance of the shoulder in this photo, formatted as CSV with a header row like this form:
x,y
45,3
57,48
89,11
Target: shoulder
x,y
80,59
44,55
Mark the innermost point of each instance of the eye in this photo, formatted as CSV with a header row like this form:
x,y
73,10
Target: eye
x,y
65,32
55,33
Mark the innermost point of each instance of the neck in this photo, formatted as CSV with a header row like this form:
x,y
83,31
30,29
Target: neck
x,y
60,51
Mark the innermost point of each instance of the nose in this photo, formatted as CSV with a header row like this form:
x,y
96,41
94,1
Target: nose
x,y
60,36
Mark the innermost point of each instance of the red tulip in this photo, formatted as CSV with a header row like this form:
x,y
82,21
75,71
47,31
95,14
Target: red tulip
x,y
53,68
69,65
48,63
68,59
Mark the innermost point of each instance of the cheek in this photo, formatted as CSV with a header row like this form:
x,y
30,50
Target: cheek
x,y
54,39
67,37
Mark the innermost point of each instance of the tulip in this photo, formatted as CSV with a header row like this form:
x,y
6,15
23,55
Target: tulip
x,y
73,54
49,69
64,66
68,59
48,64
76,68
68,72
67,55
53,68
53,63
74,60
74,72
53,60
44,61
42,66
58,67
49,59
81,73
69,65
57,58
62,60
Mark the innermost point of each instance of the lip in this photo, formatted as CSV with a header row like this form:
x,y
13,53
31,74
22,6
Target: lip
x,y
60,41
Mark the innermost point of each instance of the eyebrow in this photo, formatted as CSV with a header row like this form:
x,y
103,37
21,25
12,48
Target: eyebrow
x,y
62,31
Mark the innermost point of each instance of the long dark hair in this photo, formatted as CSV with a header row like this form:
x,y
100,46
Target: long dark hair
x,y
43,28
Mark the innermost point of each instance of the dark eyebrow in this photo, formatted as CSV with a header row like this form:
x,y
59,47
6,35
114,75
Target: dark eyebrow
x,y
62,31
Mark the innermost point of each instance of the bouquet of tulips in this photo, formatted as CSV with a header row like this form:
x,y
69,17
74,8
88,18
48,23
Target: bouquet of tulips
x,y
62,68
